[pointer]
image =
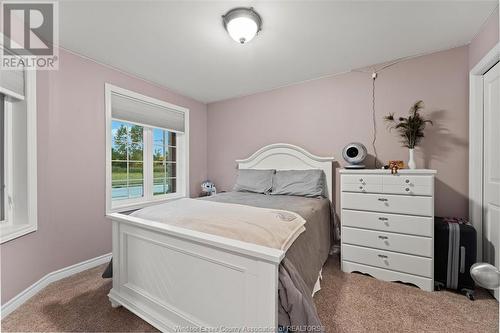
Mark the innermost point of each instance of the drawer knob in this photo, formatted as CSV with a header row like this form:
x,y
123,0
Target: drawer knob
x,y
383,218
382,256
382,199
407,189
361,187
407,181
383,237
360,179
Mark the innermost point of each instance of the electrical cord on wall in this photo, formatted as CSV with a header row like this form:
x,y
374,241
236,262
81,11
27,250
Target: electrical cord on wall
x,y
374,73
374,118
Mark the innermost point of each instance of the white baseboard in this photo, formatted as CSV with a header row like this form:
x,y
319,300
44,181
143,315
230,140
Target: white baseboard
x,y
62,273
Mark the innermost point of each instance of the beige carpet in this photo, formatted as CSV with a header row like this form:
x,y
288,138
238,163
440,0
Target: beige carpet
x,y
347,303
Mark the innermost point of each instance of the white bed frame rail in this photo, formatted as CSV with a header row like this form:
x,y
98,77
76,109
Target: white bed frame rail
x,y
180,280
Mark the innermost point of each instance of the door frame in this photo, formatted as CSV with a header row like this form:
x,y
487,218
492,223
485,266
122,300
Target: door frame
x,y
476,132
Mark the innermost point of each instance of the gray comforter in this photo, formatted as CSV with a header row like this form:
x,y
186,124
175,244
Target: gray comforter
x,y
304,259
298,272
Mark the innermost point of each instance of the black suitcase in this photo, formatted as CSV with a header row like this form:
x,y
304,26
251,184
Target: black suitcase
x,y
454,254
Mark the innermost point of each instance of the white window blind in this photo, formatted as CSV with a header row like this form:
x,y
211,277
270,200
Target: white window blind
x,y
136,111
12,81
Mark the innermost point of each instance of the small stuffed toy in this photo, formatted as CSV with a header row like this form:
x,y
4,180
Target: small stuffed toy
x,y
395,166
208,188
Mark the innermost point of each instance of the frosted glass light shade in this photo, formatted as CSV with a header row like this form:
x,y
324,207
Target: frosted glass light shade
x,y
242,29
242,24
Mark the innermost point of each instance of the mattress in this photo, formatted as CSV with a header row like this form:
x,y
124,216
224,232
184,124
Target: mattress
x,y
310,250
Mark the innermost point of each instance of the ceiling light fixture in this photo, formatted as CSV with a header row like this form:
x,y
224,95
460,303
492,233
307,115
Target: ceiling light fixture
x,y
242,24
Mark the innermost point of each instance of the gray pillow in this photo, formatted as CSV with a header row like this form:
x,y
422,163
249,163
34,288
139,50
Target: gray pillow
x,y
306,183
251,180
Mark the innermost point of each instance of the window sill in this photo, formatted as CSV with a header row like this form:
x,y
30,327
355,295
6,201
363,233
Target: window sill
x,y
9,232
142,204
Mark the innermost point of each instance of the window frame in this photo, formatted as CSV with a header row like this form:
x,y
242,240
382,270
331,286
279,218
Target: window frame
x,y
182,155
11,228
7,166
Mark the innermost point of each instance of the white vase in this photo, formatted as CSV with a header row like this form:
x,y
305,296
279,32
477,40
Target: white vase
x,y
411,161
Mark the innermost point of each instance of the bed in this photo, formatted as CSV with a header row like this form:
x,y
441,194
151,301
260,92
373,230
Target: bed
x,y
180,279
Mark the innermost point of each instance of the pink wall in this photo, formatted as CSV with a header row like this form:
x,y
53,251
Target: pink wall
x,y
321,115
485,40
71,150
325,114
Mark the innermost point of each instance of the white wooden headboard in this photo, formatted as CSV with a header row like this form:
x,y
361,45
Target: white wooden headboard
x,y
284,156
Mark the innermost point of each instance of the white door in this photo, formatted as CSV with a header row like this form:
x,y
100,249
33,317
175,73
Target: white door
x,y
491,180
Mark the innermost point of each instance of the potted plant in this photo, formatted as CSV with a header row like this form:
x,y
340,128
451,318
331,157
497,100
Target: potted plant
x,y
410,129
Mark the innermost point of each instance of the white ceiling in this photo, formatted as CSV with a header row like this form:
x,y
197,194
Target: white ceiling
x,y
182,45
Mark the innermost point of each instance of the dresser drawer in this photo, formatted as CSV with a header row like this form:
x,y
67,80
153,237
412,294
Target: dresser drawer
x,y
387,203
368,188
420,246
407,180
407,189
408,184
413,225
362,179
388,275
388,260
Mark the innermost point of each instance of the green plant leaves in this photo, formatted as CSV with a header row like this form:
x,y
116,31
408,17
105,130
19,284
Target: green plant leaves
x,y
411,128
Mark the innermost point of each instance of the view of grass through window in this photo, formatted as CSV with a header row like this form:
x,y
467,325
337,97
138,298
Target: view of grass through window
x,y
127,161
127,154
164,161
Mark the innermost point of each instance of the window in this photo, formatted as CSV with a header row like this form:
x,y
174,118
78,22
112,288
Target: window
x,y
18,162
147,150
127,166
164,161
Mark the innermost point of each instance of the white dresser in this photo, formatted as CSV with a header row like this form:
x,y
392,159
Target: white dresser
x,y
388,224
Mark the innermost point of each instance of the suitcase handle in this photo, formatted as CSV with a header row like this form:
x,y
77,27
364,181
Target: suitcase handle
x,y
462,259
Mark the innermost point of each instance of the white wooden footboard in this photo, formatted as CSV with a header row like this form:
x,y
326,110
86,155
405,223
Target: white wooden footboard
x,y
180,280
